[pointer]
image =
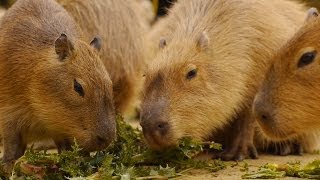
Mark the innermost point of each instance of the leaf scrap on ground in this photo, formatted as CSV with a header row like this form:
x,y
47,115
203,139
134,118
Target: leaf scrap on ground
x,y
127,158
295,169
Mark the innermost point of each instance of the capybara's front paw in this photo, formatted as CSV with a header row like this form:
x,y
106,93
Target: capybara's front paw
x,y
285,148
239,152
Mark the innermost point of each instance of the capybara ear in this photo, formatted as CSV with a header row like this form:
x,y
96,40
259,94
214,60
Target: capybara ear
x,y
96,43
162,43
312,13
203,41
63,47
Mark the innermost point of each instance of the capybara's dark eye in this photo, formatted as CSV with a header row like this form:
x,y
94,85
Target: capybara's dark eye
x,y
78,88
307,58
191,74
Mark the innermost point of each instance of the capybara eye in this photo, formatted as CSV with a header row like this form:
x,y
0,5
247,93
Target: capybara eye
x,y
307,58
78,88
191,74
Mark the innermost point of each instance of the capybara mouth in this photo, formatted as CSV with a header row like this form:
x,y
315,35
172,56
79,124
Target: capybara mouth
x,y
94,143
157,142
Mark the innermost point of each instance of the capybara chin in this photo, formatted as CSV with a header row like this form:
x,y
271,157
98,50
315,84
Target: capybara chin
x,y
209,69
288,104
53,84
121,30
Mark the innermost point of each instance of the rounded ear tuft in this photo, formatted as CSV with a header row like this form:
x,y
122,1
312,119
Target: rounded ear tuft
x,y
312,13
203,41
63,47
96,43
162,43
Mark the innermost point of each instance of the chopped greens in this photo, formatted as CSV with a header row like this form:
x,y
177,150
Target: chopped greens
x,y
127,158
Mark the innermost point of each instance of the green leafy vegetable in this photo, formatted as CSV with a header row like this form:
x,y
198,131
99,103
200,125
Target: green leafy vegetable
x,y
127,158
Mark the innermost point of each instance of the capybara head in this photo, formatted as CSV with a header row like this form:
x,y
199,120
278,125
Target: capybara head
x,y
289,101
71,94
185,94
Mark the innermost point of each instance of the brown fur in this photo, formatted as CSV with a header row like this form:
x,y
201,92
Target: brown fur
x,y
159,31
241,36
290,96
37,99
121,30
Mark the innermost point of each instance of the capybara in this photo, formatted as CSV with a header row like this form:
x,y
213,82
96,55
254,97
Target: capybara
x,y
121,30
53,84
209,69
288,102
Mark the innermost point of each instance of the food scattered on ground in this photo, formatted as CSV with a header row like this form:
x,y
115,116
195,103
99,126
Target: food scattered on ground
x,y
126,158
294,169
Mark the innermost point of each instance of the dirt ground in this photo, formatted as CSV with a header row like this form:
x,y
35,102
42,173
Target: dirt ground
x,y
235,173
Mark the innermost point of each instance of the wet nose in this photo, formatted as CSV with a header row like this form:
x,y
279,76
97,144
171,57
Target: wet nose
x,y
154,125
262,112
104,132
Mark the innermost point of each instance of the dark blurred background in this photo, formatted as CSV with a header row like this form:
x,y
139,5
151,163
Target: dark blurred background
x,y
161,6
6,3
313,3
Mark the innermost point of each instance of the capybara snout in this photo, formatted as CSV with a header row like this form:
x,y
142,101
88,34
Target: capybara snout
x,y
100,138
104,133
263,110
155,124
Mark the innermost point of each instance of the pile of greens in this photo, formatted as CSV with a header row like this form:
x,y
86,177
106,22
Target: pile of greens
x,y
127,158
295,169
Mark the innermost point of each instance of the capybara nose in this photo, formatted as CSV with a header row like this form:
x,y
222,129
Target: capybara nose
x,y
262,112
101,141
155,127
156,133
161,127
265,116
